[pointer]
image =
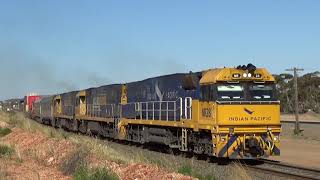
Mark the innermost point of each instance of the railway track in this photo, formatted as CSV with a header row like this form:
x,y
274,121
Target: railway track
x,y
300,121
285,170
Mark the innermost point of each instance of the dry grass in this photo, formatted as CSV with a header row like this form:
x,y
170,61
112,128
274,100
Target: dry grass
x,y
74,161
104,150
20,121
238,172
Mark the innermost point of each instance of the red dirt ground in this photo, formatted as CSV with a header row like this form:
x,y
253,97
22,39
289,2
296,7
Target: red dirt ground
x,y
300,152
39,157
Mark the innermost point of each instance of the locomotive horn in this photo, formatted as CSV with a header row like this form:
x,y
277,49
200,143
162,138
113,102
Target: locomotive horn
x,y
243,67
251,68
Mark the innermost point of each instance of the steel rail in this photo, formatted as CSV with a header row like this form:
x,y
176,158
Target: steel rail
x,y
285,170
301,122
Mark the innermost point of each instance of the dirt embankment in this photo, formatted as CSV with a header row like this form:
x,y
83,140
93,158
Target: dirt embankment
x,y
300,149
38,156
35,156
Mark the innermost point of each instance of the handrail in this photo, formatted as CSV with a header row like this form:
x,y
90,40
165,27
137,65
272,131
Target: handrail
x,y
107,110
248,102
164,110
154,110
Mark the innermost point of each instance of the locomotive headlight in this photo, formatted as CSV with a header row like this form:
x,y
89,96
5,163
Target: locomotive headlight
x,y
276,138
236,75
223,138
257,75
249,75
245,75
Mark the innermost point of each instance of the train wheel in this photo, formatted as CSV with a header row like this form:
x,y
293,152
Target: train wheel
x,y
83,127
53,122
59,123
75,125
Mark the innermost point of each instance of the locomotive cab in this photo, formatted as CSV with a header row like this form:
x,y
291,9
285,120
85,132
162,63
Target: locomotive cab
x,y
81,105
57,105
243,107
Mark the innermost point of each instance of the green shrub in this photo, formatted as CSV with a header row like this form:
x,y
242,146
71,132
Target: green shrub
x,y
4,131
83,173
186,170
189,171
5,150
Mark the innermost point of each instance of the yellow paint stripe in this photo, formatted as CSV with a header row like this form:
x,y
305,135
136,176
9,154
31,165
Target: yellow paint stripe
x,y
100,119
182,123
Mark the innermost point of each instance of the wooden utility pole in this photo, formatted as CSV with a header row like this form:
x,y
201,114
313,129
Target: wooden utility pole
x,y
296,101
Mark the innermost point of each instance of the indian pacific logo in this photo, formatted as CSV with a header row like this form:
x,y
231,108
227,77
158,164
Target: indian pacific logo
x,y
158,92
248,111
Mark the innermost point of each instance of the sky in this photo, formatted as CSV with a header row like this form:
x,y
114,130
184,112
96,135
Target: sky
x,y
53,46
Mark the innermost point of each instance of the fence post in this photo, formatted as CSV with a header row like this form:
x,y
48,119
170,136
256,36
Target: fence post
x,y
147,110
174,111
152,110
167,110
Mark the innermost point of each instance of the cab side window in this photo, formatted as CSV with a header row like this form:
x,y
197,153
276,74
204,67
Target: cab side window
x,y
204,93
207,93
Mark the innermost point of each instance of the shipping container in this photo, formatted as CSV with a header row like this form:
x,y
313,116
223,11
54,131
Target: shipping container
x,y
29,102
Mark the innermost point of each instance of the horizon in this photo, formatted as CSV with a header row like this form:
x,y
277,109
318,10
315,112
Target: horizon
x,y
285,72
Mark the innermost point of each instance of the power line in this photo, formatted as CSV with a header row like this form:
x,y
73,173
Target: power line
x,y
295,78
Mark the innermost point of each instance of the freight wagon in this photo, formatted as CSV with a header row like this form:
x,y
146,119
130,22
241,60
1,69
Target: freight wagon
x,y
12,105
28,102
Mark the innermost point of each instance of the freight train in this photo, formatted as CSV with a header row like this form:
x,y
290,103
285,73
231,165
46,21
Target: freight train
x,y
12,105
223,112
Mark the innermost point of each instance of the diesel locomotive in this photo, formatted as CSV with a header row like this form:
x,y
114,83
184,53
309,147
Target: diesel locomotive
x,y
222,112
